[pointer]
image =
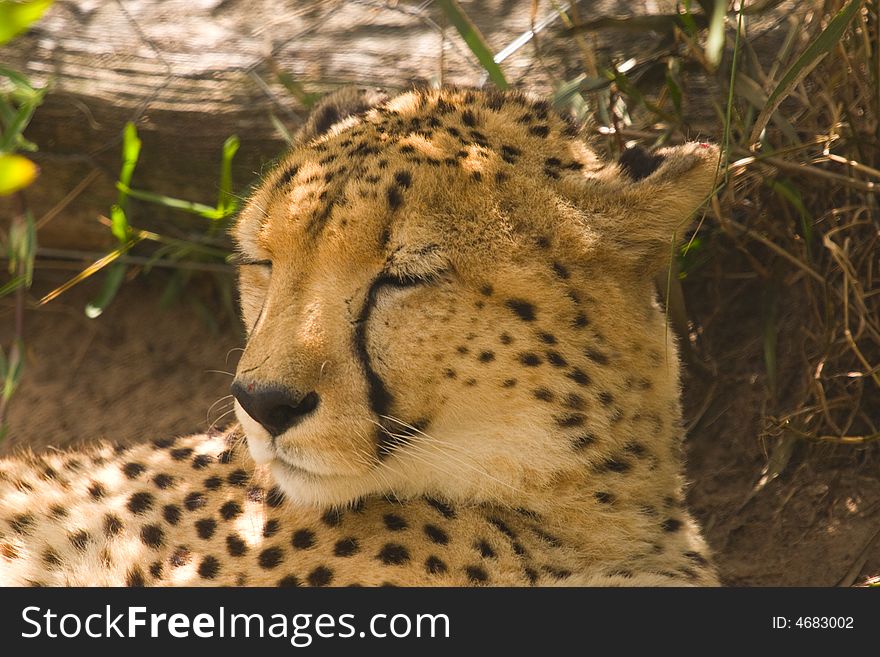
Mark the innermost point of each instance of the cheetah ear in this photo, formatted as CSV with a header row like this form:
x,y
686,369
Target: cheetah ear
x,y
665,190
335,108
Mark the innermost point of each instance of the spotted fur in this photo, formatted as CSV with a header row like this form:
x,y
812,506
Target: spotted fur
x,y
456,374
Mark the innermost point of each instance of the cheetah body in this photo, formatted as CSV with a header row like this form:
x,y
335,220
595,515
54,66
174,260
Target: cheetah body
x,y
456,374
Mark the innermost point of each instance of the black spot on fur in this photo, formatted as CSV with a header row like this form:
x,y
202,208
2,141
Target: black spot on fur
x,y
561,271
180,557
346,547
112,525
303,539
597,357
133,470
581,321
671,525
486,357
271,528
275,497
270,558
530,360
579,376
202,461
468,118
163,481
320,576
394,522
238,478
547,338
435,566
97,491
614,465
194,501
205,528
230,510
697,558
606,398
510,153
80,539
501,526
476,574
171,513
140,502
539,130
235,546
332,518
209,567
522,309
288,581
181,453
603,497
152,536
134,578
442,507
484,549
393,554
584,440
436,535
395,198
571,420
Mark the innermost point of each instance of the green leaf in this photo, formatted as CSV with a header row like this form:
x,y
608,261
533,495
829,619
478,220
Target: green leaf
x,y
14,369
131,150
226,202
169,202
474,40
119,224
715,40
16,172
12,285
808,60
115,274
16,17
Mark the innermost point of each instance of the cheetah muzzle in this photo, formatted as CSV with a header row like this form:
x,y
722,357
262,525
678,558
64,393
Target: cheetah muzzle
x,y
456,373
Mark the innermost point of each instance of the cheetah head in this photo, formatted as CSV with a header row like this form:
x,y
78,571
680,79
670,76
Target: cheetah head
x,y
450,294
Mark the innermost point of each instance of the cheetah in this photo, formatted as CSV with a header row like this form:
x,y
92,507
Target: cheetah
x,y
456,373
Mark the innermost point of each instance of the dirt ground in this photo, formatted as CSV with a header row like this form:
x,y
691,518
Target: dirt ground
x,y
139,371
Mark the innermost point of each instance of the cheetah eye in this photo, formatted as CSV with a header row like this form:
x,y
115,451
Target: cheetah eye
x,y
408,279
405,280
243,260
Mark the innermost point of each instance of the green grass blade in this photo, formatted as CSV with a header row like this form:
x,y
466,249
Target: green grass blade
x,y
715,40
115,274
12,131
474,40
169,202
119,224
808,60
226,202
131,150
789,193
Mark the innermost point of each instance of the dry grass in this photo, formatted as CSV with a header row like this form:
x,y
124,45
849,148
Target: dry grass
x,y
799,196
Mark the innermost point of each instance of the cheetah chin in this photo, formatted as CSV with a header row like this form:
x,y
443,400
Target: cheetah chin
x,y
456,373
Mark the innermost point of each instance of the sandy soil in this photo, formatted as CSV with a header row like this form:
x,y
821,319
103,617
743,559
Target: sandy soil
x,y
140,371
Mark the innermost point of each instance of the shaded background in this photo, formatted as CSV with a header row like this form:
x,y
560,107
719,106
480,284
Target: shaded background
x,y
777,507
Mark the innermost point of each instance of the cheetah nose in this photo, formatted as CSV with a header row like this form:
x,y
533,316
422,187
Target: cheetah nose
x,y
275,407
